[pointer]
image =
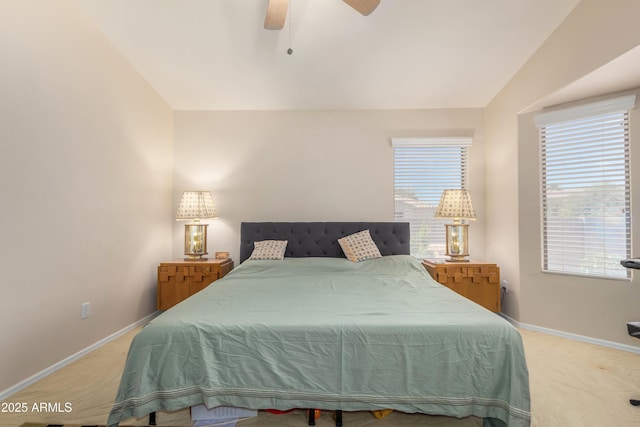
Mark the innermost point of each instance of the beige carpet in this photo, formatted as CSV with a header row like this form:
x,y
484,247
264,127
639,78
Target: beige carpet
x,y
573,384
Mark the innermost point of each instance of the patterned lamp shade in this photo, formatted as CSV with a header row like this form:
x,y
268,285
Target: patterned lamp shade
x,y
196,205
455,204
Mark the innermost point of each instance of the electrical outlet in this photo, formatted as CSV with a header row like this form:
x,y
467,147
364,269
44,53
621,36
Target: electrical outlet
x,y
86,309
505,286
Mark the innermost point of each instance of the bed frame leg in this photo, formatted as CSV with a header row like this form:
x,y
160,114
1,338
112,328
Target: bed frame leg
x,y
338,418
152,419
312,416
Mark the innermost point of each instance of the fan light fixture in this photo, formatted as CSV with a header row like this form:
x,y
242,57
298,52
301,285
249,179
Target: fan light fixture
x,y
277,11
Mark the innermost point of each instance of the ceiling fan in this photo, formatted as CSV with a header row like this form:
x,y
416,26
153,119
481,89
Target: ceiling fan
x,y
277,11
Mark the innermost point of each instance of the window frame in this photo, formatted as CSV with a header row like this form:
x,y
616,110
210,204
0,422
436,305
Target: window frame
x,y
569,131
427,228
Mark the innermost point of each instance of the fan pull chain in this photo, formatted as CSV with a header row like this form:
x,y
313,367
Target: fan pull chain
x,y
290,51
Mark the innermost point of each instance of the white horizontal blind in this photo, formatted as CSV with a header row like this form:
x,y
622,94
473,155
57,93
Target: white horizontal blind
x,y
586,216
423,169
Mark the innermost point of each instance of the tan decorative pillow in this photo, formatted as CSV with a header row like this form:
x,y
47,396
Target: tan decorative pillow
x,y
359,246
269,249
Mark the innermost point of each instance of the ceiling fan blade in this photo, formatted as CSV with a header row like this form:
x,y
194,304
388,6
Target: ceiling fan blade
x,y
365,7
276,14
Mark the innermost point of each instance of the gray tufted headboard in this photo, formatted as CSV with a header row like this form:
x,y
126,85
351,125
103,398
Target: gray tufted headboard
x,y
320,239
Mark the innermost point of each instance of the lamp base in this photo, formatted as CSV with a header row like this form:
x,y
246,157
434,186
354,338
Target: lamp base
x,y
196,258
457,242
195,241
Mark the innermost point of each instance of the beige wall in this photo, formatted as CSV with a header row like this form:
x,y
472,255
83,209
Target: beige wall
x,y
85,181
307,165
595,33
89,188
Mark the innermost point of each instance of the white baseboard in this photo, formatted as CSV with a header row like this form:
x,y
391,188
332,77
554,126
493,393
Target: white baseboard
x,y
576,337
51,369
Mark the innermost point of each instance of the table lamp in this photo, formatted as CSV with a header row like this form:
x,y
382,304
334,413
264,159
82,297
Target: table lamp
x,y
456,204
194,206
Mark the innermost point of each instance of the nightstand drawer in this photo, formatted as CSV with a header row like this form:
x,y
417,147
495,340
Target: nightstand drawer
x,y
202,276
179,279
477,281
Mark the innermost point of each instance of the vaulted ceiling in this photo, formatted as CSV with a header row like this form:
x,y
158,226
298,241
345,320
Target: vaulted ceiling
x,y
216,54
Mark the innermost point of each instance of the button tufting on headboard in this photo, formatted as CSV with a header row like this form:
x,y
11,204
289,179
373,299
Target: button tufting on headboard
x,y
321,238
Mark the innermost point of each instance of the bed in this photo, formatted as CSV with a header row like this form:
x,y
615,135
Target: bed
x,y
315,330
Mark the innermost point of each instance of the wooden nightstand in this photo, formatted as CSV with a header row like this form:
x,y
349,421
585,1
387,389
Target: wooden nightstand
x,y
179,279
478,281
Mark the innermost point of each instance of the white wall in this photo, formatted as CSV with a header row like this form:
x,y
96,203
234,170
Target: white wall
x,y
307,165
595,33
85,184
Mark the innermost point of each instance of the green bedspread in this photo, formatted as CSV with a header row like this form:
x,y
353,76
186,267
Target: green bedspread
x,y
331,334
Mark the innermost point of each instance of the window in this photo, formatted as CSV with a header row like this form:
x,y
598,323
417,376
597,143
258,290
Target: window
x,y
585,188
423,169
